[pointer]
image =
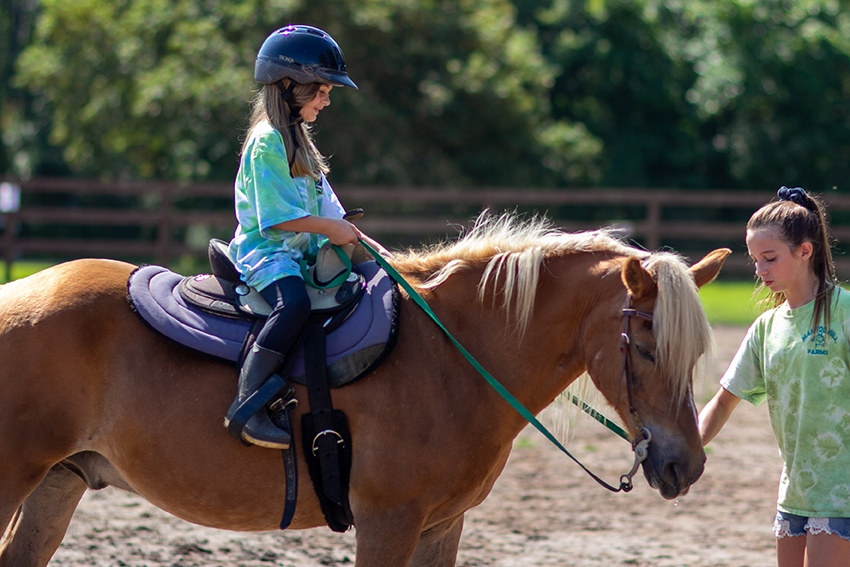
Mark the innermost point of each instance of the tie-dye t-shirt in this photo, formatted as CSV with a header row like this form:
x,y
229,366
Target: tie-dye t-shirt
x,y
266,195
803,375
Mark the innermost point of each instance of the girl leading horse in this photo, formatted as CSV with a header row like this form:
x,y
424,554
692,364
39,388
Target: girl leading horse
x,y
91,397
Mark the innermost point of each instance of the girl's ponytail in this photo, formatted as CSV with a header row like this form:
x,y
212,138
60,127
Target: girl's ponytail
x,y
801,217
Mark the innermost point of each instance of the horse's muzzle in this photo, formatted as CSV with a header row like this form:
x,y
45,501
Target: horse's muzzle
x,y
673,472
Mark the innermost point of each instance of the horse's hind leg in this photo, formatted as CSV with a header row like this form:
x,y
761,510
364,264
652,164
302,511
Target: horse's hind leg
x,y
438,545
38,526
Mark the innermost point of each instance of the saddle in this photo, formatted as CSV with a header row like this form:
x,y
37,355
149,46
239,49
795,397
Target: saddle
x,y
332,284
218,315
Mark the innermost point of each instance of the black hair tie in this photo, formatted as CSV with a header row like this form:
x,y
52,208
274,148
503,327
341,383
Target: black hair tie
x,y
795,195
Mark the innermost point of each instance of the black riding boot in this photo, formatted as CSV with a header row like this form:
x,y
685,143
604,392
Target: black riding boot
x,y
259,365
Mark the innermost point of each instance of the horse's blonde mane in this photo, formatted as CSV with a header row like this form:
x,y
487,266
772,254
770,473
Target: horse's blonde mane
x,y
514,251
507,247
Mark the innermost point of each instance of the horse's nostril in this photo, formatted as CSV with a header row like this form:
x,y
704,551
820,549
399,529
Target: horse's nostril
x,y
673,475
678,476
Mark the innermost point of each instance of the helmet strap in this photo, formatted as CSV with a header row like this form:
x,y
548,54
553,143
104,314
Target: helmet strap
x,y
295,144
289,98
286,92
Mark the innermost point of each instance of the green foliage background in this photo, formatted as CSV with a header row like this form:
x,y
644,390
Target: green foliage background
x,y
527,93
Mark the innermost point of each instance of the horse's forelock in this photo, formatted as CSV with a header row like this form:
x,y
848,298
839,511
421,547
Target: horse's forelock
x,y
682,332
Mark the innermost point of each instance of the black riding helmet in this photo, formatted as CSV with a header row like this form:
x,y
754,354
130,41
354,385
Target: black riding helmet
x,y
304,54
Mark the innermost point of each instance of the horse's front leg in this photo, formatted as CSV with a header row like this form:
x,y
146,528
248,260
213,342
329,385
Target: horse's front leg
x,y
438,545
386,538
17,481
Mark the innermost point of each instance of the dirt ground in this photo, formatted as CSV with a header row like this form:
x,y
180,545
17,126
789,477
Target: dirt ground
x,y
544,511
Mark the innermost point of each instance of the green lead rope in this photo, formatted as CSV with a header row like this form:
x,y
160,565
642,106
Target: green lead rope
x,y
338,280
598,416
521,409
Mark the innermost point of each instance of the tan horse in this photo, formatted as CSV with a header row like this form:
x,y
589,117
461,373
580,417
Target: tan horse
x,y
90,397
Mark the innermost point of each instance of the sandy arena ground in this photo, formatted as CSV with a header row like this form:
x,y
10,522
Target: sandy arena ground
x,y
544,511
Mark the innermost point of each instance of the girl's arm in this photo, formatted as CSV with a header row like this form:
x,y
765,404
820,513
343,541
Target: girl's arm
x,y
338,231
716,413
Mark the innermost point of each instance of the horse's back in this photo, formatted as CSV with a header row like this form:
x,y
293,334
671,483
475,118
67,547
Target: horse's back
x,y
52,327
67,287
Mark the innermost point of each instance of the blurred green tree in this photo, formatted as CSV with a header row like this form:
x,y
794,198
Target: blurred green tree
x,y
655,93
625,71
24,147
452,92
784,109
687,93
142,88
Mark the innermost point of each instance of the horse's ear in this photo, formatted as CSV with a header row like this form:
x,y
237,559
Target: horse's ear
x,y
637,279
707,269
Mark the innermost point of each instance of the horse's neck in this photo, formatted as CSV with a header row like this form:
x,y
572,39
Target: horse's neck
x,y
537,367
577,296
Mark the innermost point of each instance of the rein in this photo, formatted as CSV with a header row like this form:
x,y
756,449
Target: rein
x,y
639,444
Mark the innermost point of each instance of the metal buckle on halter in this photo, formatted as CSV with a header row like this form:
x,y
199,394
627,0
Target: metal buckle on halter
x,y
641,449
339,441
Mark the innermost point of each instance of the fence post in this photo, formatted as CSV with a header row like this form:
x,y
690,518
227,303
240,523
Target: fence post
x,y
7,241
10,204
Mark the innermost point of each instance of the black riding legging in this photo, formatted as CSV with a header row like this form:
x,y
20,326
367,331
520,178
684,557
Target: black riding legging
x,y
291,309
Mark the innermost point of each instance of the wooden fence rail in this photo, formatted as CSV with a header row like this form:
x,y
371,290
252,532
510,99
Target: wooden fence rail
x,y
162,222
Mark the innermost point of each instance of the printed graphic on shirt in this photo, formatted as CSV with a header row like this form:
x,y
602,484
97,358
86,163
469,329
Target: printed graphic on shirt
x,y
818,342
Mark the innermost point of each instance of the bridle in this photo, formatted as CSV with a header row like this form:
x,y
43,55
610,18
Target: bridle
x,y
640,444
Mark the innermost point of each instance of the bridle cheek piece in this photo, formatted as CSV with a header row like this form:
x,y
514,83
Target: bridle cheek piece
x,y
640,444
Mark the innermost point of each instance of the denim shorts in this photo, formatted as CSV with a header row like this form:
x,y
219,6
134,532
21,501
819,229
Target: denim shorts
x,y
791,525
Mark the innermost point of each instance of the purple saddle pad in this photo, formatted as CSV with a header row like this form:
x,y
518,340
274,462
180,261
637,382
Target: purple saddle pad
x,y
353,349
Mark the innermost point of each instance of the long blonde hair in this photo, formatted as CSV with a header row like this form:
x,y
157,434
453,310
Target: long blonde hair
x,y
268,106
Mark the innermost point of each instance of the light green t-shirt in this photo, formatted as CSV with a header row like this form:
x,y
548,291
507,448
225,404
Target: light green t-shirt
x,y
266,195
803,375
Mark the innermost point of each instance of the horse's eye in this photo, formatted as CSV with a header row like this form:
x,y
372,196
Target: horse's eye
x,y
644,353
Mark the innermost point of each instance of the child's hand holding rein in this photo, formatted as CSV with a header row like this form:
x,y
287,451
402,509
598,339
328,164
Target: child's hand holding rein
x,y
341,232
338,231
